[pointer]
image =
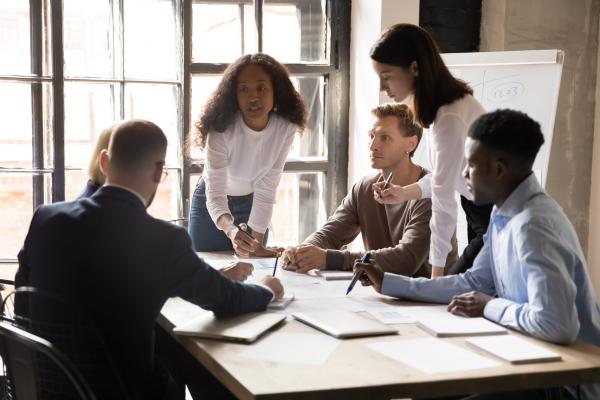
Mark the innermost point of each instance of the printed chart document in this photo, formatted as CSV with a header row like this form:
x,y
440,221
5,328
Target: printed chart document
x,y
514,349
431,355
391,316
451,325
293,348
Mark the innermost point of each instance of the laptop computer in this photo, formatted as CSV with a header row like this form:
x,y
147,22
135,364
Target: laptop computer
x,y
243,328
344,324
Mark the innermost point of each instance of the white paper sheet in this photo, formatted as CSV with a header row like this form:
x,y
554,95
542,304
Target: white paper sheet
x,y
292,348
514,349
281,303
431,355
450,325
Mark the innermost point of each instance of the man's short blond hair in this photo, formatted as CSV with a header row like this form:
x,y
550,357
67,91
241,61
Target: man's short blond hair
x,y
406,119
94,171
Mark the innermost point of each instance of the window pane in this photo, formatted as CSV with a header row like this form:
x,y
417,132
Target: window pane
x,y
75,180
16,210
166,203
14,37
88,38
222,24
89,109
15,136
202,88
295,33
156,103
151,39
291,224
312,141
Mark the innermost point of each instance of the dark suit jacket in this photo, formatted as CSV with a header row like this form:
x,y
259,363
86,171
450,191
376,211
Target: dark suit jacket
x,y
108,256
90,188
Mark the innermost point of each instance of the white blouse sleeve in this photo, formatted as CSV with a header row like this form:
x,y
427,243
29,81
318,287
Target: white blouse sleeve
x,y
215,175
449,145
425,185
265,188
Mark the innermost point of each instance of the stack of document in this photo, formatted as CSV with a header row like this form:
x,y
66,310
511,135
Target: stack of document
x,y
336,275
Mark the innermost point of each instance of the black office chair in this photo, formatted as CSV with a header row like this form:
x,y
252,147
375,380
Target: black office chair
x,y
22,353
70,331
6,286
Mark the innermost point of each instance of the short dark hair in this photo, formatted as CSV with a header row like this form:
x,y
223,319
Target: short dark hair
x,y
435,86
406,120
511,132
134,143
222,106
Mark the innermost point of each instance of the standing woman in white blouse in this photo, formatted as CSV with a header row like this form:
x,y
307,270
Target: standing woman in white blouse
x,y
247,129
409,66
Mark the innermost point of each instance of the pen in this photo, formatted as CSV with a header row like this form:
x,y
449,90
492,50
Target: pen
x,y
275,266
387,181
358,274
244,228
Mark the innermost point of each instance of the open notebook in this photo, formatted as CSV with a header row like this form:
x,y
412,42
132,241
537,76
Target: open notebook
x,y
243,328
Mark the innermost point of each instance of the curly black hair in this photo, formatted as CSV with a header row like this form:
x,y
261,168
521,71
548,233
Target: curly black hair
x,y
222,106
511,132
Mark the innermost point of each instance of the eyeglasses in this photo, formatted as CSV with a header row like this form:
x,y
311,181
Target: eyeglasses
x,y
165,173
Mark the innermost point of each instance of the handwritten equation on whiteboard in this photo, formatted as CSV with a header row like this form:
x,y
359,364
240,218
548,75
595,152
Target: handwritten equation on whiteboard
x,y
499,89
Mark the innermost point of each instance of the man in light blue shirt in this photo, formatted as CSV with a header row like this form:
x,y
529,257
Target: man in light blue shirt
x,y
531,274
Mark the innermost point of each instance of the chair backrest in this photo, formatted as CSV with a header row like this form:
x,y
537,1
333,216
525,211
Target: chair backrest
x,y
72,331
21,353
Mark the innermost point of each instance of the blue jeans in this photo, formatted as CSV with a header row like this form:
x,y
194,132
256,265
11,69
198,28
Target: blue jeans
x,y
203,231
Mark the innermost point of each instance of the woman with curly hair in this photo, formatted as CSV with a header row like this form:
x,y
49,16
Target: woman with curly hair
x,y
247,128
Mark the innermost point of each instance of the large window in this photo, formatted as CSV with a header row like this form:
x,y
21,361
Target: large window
x,y
70,69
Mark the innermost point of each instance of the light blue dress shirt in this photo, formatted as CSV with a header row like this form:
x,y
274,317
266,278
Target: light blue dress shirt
x,y
532,261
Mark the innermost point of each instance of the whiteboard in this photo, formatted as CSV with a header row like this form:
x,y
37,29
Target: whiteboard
x,y
528,81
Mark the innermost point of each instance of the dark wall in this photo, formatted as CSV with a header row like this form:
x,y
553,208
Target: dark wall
x,y
454,24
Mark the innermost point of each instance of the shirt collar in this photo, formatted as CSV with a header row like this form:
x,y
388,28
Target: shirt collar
x,y
519,196
139,196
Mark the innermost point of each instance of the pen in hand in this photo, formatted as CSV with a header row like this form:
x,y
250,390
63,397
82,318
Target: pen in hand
x,y
358,274
388,181
244,228
275,266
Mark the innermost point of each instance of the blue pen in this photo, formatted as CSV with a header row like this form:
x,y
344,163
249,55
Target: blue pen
x,y
365,260
275,266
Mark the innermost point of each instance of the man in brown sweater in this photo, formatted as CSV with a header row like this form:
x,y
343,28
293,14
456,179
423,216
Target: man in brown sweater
x,y
396,235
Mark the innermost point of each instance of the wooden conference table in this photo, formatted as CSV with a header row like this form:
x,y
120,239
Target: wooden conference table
x,y
353,370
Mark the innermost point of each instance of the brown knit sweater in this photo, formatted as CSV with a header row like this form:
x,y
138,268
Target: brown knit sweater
x,y
397,235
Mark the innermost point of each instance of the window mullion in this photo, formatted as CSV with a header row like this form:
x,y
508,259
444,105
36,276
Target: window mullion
x,y
258,16
186,34
58,177
37,113
122,60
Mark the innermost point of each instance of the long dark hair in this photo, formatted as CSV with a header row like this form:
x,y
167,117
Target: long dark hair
x,y
435,86
222,106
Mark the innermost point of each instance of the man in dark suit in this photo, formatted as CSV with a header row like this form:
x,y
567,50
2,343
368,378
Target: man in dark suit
x,y
110,257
